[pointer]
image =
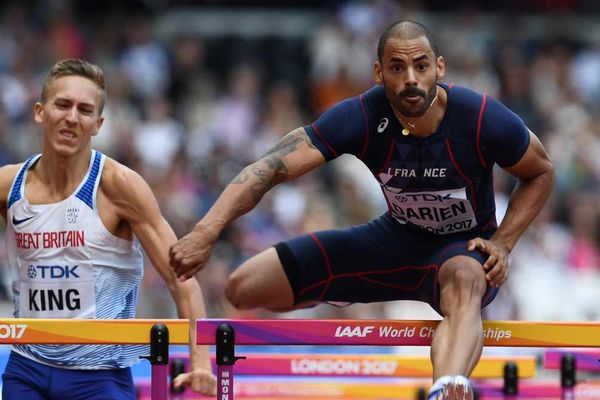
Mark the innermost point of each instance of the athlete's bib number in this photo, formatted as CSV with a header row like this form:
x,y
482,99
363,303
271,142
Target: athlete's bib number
x,y
440,212
57,290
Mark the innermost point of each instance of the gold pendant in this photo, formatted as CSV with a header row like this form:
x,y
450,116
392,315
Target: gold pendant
x,y
405,132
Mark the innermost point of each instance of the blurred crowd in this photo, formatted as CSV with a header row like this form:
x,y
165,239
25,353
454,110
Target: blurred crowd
x,y
189,112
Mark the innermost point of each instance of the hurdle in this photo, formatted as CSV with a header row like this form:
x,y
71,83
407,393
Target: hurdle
x,y
584,360
158,334
307,364
346,376
227,333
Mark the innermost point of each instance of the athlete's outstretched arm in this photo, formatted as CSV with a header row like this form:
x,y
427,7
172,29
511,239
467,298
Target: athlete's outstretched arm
x,y
292,157
135,203
7,175
536,179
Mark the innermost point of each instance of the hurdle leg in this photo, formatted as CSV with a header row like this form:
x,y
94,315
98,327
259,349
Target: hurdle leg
x,y
159,359
226,358
511,379
568,376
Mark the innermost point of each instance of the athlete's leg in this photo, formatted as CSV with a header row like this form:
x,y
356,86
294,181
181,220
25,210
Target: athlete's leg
x,y
110,384
261,282
17,387
24,379
360,264
458,341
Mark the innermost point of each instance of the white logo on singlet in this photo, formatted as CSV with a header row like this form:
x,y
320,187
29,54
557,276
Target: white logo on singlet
x,y
441,212
72,214
383,123
56,290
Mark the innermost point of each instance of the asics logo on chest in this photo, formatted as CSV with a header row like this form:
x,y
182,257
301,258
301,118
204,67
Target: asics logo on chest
x,y
383,123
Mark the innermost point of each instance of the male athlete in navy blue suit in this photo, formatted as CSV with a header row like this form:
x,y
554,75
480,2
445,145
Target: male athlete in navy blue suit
x,y
432,148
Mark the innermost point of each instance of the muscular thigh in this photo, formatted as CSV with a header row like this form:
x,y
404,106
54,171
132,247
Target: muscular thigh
x,y
24,379
378,261
114,384
260,282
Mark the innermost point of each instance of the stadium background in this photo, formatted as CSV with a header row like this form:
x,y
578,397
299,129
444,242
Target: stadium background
x,y
199,89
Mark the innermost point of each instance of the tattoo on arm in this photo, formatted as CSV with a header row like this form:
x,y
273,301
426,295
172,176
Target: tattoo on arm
x,y
289,143
241,177
270,169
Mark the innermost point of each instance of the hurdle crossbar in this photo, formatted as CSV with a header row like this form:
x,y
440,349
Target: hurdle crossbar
x,y
226,333
395,332
367,365
88,331
158,334
401,389
586,360
371,365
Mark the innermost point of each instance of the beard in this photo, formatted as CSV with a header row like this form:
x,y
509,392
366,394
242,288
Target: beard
x,y
407,109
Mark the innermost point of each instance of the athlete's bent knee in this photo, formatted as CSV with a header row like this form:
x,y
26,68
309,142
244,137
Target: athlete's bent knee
x,y
466,280
463,287
237,291
260,282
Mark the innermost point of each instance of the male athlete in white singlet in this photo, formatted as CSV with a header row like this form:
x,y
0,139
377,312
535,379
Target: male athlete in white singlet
x,y
76,223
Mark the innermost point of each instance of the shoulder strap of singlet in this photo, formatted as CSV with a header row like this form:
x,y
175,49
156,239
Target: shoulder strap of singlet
x,y
16,191
87,191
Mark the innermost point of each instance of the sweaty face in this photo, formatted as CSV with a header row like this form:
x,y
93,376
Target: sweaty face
x,y
409,71
70,115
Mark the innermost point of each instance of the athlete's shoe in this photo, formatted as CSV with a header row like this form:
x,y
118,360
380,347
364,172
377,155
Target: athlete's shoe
x,y
438,388
451,388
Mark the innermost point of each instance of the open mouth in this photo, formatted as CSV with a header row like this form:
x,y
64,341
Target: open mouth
x,y
67,134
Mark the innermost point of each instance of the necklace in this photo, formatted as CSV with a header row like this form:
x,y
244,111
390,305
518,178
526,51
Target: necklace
x,y
413,126
405,130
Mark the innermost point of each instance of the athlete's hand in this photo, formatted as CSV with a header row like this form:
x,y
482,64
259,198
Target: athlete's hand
x,y
199,380
191,253
496,266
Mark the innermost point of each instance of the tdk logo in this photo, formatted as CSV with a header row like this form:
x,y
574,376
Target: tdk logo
x,y
52,271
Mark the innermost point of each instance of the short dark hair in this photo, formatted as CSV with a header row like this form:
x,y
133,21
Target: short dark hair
x,y
406,29
76,67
